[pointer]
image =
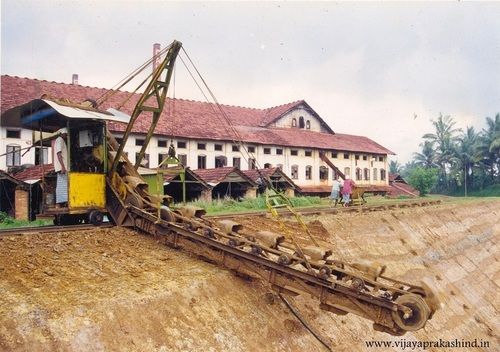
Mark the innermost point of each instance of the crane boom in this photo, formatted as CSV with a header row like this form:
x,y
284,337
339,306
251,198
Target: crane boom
x,y
156,88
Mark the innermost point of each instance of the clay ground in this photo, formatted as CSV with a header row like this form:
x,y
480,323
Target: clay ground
x,y
116,290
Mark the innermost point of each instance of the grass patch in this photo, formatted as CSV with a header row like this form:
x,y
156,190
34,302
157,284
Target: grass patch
x,y
488,191
228,205
7,222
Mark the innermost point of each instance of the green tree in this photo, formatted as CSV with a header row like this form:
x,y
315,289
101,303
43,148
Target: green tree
x,y
465,157
423,179
488,150
444,138
394,167
427,157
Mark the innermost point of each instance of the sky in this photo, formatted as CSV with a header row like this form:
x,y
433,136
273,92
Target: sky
x,y
379,69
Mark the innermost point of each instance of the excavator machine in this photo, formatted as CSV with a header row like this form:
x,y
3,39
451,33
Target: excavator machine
x,y
289,266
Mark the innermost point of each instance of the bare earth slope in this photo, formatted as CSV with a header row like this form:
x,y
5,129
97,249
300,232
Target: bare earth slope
x,y
115,290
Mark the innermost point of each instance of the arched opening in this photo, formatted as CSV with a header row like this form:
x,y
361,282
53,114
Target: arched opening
x,y
301,122
308,125
294,122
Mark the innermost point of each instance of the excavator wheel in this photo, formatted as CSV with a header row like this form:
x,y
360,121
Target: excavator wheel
x,y
284,259
257,250
207,232
357,284
96,217
419,315
324,272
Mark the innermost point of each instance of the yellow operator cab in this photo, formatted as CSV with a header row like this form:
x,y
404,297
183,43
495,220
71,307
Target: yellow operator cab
x,y
75,191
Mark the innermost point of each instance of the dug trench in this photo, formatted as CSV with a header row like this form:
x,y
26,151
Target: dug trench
x,y
117,290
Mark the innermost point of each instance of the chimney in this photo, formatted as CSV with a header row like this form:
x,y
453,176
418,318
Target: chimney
x,y
156,56
74,79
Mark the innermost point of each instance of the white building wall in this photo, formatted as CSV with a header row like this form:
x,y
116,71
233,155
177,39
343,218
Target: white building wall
x,y
25,140
286,120
286,159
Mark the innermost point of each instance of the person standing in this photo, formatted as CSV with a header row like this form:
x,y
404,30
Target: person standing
x,y
61,167
347,190
335,194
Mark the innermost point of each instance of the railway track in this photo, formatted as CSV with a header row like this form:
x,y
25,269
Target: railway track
x,y
331,210
51,229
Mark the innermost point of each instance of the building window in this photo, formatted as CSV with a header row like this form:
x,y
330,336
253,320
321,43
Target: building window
x,y
267,166
41,155
182,158
294,122
218,147
308,172
347,171
237,162
279,151
308,153
346,155
334,155
236,148
139,141
308,125
366,173
220,161
365,157
14,134
145,160
162,143
202,162
375,174
294,152
202,146
301,122
267,150
161,157
295,172
358,174
251,164
14,155
356,157
251,149
380,158
323,173
334,175
382,175
181,144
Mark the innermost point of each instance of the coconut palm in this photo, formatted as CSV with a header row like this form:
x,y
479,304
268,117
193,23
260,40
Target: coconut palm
x,y
427,157
489,148
394,167
444,139
465,155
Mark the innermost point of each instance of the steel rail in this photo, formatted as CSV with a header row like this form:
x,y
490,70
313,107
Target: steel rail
x,y
329,210
52,229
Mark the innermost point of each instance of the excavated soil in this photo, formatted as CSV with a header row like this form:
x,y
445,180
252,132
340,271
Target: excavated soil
x,y
116,290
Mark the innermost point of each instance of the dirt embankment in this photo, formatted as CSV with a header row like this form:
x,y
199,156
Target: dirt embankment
x,y
114,290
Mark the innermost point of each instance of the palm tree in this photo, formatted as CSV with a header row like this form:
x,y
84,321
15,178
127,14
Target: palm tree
x,y
489,148
427,157
394,167
444,138
465,155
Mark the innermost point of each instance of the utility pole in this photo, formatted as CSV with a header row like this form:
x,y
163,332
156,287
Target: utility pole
x,y
465,182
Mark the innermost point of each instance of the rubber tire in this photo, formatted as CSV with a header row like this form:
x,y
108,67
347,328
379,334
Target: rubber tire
x,y
96,217
421,312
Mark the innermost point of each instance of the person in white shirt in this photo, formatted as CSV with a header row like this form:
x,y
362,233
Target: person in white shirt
x,y
335,195
61,167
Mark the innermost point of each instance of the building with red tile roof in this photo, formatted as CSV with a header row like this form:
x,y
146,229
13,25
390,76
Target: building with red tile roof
x,y
289,136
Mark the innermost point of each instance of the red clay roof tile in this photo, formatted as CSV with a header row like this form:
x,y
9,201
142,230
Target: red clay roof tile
x,y
193,119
